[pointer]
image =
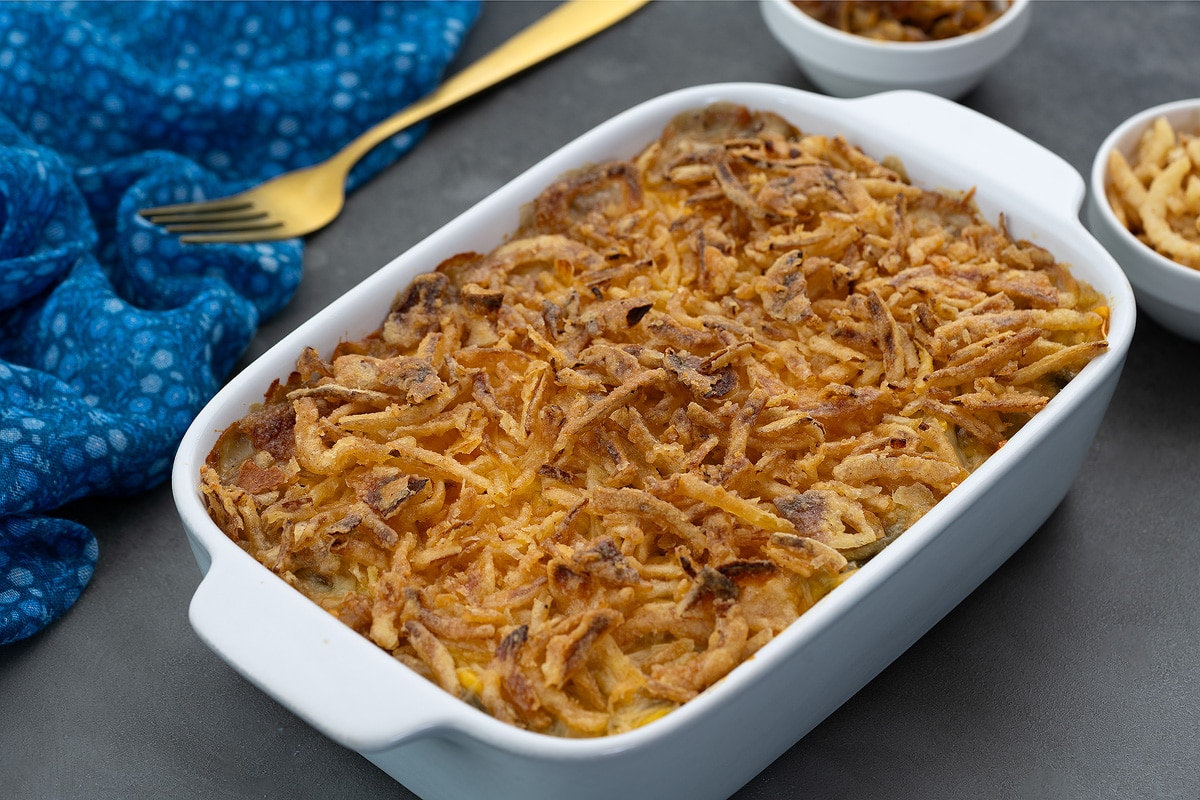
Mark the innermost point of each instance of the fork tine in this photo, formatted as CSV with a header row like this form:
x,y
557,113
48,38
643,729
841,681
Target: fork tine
x,y
220,205
253,235
217,226
167,220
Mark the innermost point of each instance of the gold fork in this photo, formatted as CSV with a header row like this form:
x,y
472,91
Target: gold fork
x,y
307,199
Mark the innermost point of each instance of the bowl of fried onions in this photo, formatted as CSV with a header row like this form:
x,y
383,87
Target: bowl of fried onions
x,y
1145,208
849,49
686,432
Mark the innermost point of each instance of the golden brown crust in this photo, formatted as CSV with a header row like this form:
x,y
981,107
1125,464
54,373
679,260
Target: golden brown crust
x,y
904,20
578,479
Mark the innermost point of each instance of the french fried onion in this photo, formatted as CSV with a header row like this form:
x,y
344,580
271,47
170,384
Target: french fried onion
x,y
577,480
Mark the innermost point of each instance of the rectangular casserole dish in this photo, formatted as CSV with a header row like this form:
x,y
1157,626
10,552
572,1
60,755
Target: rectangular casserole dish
x,y
441,747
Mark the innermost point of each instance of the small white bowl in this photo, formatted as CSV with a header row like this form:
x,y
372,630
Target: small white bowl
x,y
848,65
1166,290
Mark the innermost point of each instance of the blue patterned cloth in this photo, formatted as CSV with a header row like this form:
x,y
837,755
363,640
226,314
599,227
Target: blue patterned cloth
x,y
113,334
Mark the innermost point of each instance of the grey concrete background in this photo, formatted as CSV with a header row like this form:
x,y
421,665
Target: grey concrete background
x,y
1073,672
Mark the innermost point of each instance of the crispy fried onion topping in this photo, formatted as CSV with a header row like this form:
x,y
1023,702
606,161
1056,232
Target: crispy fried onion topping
x,y
577,480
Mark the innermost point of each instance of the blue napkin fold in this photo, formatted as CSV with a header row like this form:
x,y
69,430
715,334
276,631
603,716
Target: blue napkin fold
x,y
113,334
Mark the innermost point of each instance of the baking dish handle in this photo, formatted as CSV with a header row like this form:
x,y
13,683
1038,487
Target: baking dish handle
x,y
334,679
943,126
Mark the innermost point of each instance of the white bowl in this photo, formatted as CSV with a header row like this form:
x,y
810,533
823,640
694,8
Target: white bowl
x,y
848,65
1166,290
440,747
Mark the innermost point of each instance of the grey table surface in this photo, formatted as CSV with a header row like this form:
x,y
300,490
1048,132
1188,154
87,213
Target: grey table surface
x,y
1073,672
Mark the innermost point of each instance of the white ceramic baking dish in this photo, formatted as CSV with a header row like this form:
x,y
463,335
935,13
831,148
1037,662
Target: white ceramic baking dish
x,y
440,747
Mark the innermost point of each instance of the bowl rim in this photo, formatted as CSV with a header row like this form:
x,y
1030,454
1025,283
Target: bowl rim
x,y
458,718
1017,8
1137,123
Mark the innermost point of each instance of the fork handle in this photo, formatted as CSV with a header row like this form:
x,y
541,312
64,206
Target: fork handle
x,y
567,25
